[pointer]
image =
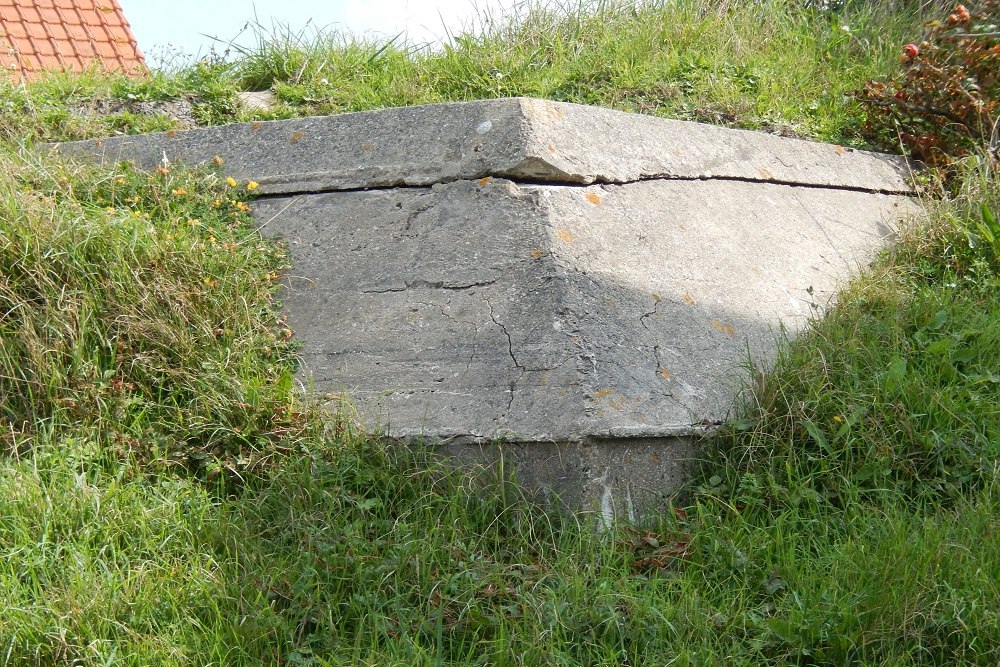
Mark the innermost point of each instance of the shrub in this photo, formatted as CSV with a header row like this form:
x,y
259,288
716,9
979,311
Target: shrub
x,y
945,104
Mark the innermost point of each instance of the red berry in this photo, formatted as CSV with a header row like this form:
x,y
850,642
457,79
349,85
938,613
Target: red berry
x,y
911,51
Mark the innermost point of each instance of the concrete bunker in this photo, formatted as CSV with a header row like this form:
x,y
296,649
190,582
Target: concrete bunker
x,y
570,289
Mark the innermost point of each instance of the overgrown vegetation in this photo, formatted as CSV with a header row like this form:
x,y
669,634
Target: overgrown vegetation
x,y
945,105
769,65
170,498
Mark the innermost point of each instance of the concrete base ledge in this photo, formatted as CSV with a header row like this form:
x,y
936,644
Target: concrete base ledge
x,y
610,479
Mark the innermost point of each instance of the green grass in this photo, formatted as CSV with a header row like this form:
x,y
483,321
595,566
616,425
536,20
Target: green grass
x,y
758,65
170,498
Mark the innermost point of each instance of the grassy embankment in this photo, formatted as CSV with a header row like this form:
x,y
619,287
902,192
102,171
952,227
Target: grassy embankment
x,y
169,498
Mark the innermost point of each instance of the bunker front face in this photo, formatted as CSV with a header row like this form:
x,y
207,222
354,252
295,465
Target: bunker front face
x,y
571,290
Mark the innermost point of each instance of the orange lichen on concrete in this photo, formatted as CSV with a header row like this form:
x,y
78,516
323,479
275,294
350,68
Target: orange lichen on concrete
x,y
723,327
41,35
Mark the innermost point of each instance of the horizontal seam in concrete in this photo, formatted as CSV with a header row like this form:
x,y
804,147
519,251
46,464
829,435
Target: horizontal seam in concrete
x,y
429,284
370,188
767,181
596,181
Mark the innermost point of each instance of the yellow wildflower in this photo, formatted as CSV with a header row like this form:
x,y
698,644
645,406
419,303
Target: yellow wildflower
x,y
231,182
180,192
252,185
194,222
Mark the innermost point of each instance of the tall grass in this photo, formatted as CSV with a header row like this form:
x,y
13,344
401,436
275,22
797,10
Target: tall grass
x,y
769,64
754,65
134,304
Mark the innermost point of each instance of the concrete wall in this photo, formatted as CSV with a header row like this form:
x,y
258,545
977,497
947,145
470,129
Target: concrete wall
x,y
570,290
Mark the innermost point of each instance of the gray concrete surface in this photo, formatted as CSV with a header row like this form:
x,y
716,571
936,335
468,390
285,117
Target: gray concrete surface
x,y
573,291
517,138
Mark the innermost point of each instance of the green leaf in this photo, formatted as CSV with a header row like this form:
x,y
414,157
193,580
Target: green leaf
x,y
940,318
869,471
783,630
816,434
896,374
368,504
940,347
990,221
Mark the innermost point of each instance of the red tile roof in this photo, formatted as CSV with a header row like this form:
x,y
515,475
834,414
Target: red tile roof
x,y
37,35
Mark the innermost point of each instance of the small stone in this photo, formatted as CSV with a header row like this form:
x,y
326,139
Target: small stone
x,y
258,100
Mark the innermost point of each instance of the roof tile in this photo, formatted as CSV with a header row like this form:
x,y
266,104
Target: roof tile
x,y
37,35
49,14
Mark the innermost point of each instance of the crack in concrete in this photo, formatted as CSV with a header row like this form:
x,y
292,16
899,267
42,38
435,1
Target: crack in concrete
x,y
440,308
510,349
414,214
475,326
603,180
430,284
652,313
662,373
472,354
583,182
510,341
535,170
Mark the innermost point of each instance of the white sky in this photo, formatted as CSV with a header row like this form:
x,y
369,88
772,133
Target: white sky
x,y
165,27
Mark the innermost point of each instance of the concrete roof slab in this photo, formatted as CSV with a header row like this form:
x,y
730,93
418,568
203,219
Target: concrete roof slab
x,y
517,138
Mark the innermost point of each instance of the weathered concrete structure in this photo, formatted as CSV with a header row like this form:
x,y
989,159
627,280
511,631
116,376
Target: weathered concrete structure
x,y
579,284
